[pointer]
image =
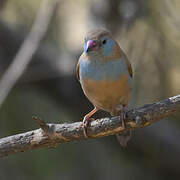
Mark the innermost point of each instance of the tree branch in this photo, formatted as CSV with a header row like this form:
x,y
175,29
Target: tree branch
x,y
50,135
28,48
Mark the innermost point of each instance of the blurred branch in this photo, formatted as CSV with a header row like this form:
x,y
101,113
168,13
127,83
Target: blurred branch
x,y
50,135
28,48
2,4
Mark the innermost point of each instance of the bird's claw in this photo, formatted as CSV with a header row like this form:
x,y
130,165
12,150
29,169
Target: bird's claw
x,y
126,135
85,124
123,116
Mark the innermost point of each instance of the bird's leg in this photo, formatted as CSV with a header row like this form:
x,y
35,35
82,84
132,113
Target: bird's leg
x,y
122,113
122,117
86,120
126,135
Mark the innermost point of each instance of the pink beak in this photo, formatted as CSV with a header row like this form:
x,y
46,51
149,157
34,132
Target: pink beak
x,y
90,45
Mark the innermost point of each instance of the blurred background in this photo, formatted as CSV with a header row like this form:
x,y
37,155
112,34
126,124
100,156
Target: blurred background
x,y
149,33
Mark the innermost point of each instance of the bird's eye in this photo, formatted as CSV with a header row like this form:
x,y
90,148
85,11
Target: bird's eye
x,y
104,41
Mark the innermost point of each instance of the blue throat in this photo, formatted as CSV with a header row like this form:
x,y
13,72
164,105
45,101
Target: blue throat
x,y
102,70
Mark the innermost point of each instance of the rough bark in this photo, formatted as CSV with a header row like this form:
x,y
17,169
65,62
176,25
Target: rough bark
x,y
50,135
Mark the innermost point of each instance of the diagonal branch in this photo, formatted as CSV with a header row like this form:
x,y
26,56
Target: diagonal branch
x,y
51,135
28,48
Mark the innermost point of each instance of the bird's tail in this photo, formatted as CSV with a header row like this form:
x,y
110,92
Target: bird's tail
x,y
124,138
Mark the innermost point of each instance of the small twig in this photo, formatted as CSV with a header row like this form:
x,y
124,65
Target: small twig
x,y
27,49
61,133
41,123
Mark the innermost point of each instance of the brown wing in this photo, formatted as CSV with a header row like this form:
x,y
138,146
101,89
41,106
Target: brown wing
x,y
128,63
77,70
130,69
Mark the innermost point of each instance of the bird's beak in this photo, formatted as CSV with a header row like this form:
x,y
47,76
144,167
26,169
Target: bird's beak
x,y
91,45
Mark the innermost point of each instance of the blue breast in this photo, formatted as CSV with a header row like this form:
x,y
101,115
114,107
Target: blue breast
x,y
102,70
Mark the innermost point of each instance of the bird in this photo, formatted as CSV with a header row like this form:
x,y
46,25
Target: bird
x,y
105,75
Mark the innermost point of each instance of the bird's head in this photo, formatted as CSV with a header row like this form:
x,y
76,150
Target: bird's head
x,y
100,43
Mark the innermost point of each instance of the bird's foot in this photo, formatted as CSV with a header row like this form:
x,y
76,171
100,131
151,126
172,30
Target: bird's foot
x,y
86,121
122,113
126,135
85,124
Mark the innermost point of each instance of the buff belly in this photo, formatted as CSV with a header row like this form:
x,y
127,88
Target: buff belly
x,y
107,95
